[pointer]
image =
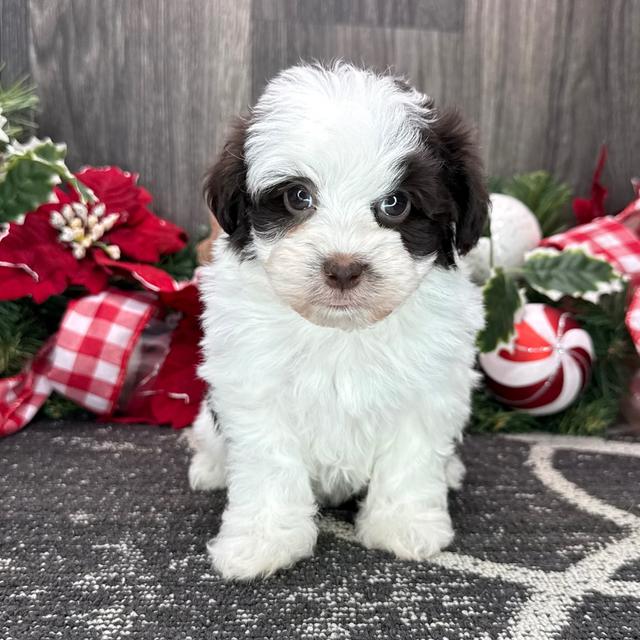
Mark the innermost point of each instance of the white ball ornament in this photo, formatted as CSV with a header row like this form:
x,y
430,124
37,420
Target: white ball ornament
x,y
515,230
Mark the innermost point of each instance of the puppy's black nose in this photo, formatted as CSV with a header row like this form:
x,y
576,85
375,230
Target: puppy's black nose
x,y
343,272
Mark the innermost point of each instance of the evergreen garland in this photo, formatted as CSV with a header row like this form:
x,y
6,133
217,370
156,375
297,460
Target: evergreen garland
x,y
18,103
58,407
180,265
21,335
25,327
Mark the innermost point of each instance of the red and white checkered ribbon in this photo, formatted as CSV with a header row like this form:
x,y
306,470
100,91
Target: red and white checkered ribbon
x,y
612,238
85,361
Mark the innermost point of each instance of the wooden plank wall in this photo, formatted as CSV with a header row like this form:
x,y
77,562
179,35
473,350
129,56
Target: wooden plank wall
x,y
150,84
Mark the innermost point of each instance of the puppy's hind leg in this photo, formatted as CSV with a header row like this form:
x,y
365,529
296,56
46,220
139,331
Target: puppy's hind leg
x,y
207,468
454,472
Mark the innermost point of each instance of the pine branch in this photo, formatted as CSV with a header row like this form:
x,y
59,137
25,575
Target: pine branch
x,y
181,264
24,328
21,335
18,103
58,407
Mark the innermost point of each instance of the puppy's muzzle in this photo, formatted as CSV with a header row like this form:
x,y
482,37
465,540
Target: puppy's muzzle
x,y
343,272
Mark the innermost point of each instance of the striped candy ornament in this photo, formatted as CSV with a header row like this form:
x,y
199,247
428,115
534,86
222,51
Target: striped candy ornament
x,y
548,367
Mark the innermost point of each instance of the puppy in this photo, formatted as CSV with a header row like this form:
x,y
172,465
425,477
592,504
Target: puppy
x,y
339,326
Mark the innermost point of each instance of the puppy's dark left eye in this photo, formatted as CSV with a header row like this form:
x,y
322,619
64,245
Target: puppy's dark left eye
x,y
394,208
298,199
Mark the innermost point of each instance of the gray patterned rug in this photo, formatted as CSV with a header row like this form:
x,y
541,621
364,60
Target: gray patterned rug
x,y
100,538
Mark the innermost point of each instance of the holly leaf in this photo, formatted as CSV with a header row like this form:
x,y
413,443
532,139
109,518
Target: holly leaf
x,y
28,175
572,272
502,300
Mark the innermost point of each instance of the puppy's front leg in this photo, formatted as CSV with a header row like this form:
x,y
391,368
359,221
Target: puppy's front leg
x,y
405,510
269,520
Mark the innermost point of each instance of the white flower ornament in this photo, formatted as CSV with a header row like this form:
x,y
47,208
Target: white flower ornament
x,y
81,226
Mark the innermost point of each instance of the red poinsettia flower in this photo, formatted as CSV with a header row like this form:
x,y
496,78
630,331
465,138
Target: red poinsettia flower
x,y
70,242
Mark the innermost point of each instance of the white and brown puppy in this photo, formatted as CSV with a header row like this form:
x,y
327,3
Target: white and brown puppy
x,y
339,326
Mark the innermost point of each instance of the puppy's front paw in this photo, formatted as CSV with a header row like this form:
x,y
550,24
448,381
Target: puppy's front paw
x,y
409,535
259,553
206,473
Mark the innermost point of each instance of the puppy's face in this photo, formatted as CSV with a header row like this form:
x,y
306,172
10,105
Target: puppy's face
x,y
348,187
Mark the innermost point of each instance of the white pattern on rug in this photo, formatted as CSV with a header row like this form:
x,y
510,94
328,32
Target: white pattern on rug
x,y
553,595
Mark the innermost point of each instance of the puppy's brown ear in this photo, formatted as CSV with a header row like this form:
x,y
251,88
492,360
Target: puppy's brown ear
x,y
224,185
462,176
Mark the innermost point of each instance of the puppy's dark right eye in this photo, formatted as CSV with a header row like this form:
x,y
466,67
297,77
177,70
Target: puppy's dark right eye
x,y
393,209
298,199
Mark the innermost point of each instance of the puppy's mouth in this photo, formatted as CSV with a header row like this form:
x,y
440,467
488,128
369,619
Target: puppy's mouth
x,y
347,309
341,306
340,303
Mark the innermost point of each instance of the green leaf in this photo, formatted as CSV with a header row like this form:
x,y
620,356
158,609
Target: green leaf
x,y
572,272
28,175
545,196
502,299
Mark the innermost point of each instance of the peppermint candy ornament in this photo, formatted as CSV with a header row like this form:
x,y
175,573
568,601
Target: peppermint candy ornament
x,y
548,366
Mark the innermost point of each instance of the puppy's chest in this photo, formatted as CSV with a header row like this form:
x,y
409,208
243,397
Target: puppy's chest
x,y
351,381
